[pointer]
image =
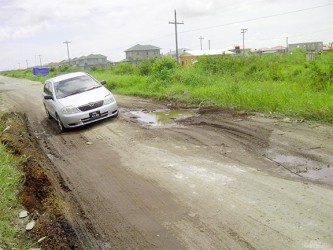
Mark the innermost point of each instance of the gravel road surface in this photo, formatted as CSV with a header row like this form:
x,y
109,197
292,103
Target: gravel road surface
x,y
216,179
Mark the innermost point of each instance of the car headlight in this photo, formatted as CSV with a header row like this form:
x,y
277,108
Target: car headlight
x,y
108,99
69,110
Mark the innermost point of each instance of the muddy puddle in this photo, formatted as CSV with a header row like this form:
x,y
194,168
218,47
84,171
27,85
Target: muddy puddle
x,y
307,168
323,175
162,118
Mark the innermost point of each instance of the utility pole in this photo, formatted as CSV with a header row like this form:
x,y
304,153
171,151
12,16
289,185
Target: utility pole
x,y
209,44
40,60
69,60
243,31
27,63
176,35
287,44
201,38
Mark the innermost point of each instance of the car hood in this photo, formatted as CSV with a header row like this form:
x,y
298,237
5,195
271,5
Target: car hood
x,y
86,97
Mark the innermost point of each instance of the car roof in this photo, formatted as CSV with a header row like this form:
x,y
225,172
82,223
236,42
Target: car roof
x,y
66,76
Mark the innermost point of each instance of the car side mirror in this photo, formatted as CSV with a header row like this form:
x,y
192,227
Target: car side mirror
x,y
48,97
103,82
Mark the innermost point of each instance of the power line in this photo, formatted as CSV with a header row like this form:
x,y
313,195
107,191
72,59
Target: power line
x,y
294,35
258,18
236,22
201,38
175,23
243,31
69,60
40,59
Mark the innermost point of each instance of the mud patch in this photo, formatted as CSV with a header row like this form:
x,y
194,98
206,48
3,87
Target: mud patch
x,y
226,111
161,118
38,194
324,175
309,167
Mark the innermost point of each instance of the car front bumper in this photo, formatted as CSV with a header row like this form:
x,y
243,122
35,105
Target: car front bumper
x,y
86,117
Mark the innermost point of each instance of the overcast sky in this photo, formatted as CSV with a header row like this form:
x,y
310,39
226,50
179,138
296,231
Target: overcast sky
x,y
34,27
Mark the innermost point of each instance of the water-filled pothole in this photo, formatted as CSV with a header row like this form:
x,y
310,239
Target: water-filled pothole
x,y
306,167
162,117
324,175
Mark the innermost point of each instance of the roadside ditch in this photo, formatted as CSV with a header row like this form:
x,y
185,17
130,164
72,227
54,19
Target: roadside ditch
x,y
47,210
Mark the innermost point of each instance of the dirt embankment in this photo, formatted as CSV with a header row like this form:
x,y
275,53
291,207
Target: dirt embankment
x,y
39,194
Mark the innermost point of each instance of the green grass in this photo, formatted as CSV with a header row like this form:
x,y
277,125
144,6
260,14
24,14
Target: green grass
x,y
283,84
10,183
287,85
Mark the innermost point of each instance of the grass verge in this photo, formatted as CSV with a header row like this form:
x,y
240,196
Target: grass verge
x,y
11,182
25,183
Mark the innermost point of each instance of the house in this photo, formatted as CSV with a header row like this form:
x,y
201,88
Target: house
x,y
313,47
328,47
63,62
274,50
237,49
172,54
190,57
139,53
92,60
52,65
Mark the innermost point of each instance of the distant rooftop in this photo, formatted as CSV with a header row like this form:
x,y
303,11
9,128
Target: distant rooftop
x,y
90,56
208,52
142,47
180,51
272,49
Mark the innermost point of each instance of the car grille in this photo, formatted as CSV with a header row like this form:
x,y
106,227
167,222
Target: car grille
x,y
91,105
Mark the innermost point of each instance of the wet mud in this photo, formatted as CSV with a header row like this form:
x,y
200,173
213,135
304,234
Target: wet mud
x,y
218,179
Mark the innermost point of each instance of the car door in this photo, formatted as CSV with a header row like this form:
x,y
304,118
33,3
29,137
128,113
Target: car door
x,y
49,103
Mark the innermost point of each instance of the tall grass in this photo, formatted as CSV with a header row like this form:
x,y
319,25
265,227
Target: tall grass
x,y
285,84
10,183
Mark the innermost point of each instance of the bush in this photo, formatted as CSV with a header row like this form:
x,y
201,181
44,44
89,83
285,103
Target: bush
x,y
146,67
124,69
164,68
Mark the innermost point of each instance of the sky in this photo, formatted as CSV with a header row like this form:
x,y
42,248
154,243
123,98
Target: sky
x,y
29,28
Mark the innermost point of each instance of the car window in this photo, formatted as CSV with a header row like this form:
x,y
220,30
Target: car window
x,y
74,86
47,88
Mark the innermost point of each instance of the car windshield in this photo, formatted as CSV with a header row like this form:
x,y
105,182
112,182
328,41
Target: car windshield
x,y
74,86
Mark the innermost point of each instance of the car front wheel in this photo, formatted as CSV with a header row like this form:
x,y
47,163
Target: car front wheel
x,y
60,125
47,113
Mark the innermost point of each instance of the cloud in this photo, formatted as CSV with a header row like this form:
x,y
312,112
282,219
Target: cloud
x,y
21,18
30,27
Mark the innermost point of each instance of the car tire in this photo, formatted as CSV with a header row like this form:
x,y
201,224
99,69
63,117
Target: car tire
x,y
47,113
60,125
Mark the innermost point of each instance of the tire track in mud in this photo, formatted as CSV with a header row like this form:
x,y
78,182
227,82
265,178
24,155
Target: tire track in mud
x,y
122,212
195,187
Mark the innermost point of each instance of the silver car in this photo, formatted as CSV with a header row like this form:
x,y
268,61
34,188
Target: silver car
x,y
76,99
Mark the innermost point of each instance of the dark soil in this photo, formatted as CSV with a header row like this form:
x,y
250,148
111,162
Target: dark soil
x,y
38,194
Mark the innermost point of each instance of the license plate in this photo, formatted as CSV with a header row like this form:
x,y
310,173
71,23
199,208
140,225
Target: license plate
x,y
94,114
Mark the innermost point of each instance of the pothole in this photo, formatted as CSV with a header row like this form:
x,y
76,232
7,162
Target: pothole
x,y
162,118
307,168
323,175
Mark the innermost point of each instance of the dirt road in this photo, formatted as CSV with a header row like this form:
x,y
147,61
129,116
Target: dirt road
x,y
215,180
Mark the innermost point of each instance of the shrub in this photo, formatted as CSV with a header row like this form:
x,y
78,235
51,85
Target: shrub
x,y
145,68
164,68
124,69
